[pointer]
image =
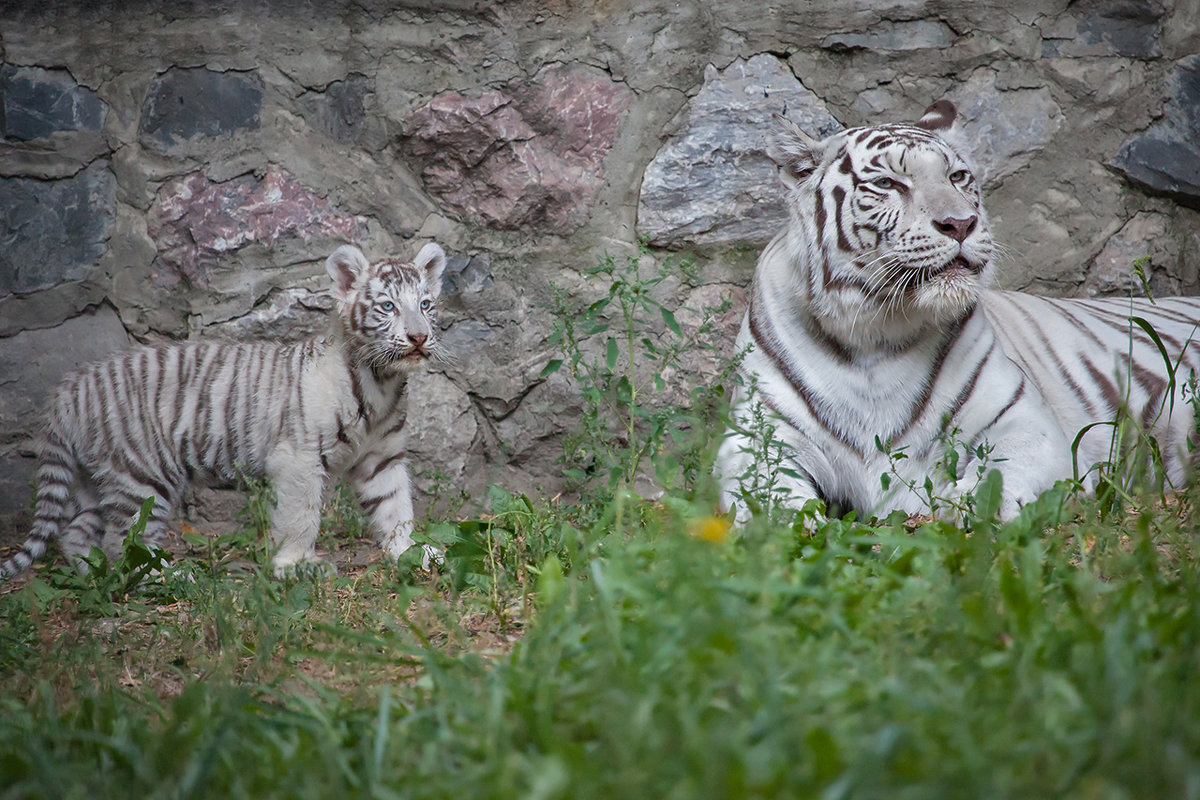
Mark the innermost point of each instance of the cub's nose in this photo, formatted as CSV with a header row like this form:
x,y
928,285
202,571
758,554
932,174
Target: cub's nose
x,y
957,229
418,339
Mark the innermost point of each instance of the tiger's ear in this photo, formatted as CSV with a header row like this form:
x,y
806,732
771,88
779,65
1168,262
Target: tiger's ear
x,y
432,260
793,150
939,117
344,266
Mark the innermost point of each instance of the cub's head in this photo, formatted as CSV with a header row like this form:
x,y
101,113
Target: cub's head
x,y
895,211
388,309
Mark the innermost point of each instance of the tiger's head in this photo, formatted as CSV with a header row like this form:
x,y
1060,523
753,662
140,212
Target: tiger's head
x,y
388,309
895,212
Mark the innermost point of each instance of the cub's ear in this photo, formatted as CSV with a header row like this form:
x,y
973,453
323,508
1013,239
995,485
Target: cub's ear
x,y
793,150
432,259
344,266
939,117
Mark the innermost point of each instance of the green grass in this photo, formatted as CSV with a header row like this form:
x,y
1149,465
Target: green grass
x,y
618,647
1046,658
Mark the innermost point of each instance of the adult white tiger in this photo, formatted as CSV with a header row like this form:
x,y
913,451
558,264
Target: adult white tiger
x,y
869,317
148,421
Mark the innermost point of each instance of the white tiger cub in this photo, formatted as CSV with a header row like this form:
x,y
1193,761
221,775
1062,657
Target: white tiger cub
x,y
869,317
148,421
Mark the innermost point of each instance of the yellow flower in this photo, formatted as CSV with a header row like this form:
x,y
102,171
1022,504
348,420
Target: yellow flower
x,y
710,529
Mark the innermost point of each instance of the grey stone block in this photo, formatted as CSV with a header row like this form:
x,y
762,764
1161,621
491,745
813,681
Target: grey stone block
x,y
185,103
713,183
1165,158
54,231
36,103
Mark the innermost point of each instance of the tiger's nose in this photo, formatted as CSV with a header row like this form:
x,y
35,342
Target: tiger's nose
x,y
418,339
957,229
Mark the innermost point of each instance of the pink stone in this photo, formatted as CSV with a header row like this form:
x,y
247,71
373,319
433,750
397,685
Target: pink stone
x,y
194,221
531,156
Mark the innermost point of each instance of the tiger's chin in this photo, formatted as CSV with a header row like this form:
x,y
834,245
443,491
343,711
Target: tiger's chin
x,y
405,362
949,293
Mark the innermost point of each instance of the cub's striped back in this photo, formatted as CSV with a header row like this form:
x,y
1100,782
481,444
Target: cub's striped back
x,y
870,323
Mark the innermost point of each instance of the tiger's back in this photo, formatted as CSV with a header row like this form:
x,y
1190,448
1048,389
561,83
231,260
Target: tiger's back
x,y
1091,362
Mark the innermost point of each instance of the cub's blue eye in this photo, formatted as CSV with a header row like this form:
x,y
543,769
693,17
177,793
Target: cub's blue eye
x,y
884,183
960,176
387,306
426,304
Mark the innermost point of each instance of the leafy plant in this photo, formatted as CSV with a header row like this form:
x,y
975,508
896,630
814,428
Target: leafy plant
x,y
622,350
101,587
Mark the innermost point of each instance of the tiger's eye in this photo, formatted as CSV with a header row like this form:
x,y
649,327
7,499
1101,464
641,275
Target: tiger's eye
x,y
387,306
426,304
884,183
959,176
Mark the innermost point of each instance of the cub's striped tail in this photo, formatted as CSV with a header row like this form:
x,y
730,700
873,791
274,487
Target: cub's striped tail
x,y
57,472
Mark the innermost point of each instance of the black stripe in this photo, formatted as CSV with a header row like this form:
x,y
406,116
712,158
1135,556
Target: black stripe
x,y
1057,363
383,464
767,344
370,504
357,389
1012,402
1103,383
939,359
396,426
839,195
969,387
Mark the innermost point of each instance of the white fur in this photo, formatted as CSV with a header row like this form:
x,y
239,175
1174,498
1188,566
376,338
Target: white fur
x,y
847,351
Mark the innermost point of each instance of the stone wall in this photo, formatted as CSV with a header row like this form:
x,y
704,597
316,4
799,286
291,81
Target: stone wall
x,y
173,169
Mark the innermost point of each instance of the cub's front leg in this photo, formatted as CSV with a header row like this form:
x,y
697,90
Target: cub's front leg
x,y
299,482
384,491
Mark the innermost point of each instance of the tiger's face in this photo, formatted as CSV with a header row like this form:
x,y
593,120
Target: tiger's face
x,y
388,308
897,211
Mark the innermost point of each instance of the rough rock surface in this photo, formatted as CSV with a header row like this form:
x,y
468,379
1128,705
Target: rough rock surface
x,y
54,231
194,221
186,103
528,156
1166,156
713,183
37,103
169,170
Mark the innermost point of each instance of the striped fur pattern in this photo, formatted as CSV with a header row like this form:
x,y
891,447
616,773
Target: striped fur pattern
x,y
870,317
151,420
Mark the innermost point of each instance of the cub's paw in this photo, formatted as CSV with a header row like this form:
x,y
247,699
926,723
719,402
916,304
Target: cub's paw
x,y
306,569
432,556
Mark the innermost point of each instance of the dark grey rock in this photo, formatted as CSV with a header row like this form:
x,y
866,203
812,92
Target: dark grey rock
x,y
1106,28
36,103
16,496
466,273
54,231
340,109
184,103
1165,158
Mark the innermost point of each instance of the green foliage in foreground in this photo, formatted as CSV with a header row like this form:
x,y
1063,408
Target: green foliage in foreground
x,y
1038,659
627,648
